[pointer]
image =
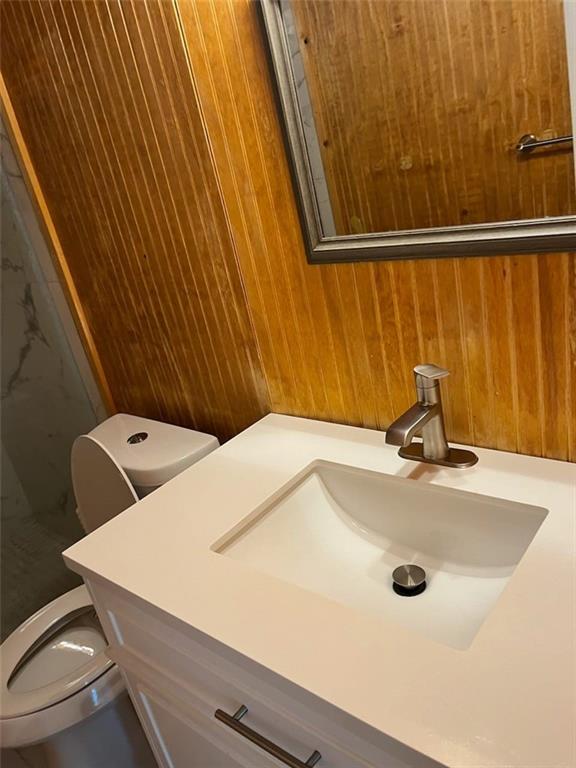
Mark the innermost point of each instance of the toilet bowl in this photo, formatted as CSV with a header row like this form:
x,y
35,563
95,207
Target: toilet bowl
x,y
62,700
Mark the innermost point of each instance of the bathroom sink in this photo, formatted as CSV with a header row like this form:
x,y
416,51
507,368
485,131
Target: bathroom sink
x,y
341,531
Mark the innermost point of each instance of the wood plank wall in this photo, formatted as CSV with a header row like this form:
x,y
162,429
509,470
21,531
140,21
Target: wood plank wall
x,y
338,342
107,106
224,319
419,106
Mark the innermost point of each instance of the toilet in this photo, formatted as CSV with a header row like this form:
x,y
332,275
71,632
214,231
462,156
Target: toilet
x,y
62,700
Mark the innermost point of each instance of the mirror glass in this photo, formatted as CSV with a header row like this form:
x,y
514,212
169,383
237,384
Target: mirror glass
x,y
424,114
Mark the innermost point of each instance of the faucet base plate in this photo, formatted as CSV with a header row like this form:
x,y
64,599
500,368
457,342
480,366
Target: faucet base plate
x,y
457,458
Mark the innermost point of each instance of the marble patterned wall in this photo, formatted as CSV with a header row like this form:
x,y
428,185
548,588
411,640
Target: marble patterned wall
x,y
48,398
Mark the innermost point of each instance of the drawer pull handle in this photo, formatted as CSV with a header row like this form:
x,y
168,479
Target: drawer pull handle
x,y
233,721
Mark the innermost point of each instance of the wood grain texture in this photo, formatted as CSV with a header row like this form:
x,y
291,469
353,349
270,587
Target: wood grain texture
x,y
419,105
169,188
53,241
338,341
106,102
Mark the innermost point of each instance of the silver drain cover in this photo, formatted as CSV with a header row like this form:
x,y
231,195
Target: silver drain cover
x,y
408,580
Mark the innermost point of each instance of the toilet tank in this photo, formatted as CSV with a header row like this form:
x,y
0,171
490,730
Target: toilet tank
x,y
151,452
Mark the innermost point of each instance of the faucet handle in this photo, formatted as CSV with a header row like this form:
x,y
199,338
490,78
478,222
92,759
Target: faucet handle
x,y
426,375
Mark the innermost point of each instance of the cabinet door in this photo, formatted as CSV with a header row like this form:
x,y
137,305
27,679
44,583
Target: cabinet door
x,y
183,737
180,743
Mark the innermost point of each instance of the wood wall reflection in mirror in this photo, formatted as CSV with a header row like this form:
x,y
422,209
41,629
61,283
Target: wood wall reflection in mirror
x,y
405,115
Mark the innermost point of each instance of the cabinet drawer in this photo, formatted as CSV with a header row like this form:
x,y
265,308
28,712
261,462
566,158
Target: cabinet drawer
x,y
211,677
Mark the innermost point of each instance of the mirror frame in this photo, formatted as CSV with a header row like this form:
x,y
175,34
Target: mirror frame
x,y
510,237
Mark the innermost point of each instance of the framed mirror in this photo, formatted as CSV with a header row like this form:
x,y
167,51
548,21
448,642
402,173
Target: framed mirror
x,y
422,128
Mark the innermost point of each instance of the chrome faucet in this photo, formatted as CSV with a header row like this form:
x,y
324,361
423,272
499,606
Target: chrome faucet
x,y
425,418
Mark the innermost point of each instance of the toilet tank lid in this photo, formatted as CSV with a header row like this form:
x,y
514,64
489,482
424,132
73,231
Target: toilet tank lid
x,y
152,452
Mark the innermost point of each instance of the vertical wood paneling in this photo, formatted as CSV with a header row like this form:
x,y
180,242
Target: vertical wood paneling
x,y
154,135
53,241
107,105
419,105
338,341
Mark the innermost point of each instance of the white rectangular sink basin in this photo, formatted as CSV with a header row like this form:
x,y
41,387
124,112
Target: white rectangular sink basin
x,y
340,531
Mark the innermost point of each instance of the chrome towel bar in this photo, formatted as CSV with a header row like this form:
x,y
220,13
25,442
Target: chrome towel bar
x,y
233,721
529,142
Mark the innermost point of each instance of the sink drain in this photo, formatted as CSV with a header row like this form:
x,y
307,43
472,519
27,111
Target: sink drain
x,y
409,580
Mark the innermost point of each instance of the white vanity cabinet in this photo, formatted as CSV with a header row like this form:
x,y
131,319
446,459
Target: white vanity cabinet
x,y
199,620
179,679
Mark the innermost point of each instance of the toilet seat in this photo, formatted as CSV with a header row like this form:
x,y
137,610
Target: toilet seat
x,y
42,725
35,715
25,641
29,635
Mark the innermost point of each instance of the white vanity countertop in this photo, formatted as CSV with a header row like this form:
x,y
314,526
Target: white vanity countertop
x,y
506,701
